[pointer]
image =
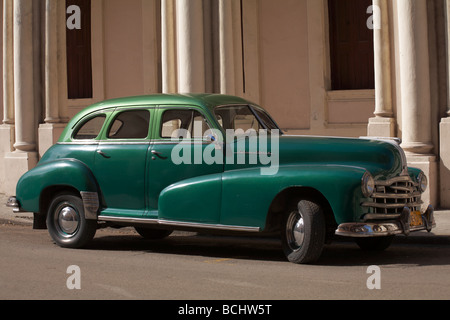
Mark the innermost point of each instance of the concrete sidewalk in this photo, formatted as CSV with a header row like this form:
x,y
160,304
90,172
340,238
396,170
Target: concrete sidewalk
x,y
7,216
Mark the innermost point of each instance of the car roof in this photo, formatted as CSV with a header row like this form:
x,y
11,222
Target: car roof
x,y
202,100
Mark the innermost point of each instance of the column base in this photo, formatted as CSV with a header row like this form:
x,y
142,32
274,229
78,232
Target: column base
x,y
445,163
429,165
49,134
381,127
16,164
7,134
6,146
418,148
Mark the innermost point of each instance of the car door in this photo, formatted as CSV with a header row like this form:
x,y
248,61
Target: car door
x,y
250,156
85,138
120,162
177,156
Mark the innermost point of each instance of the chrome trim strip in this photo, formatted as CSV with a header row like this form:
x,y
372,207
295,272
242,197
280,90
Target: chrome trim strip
x,y
105,143
171,223
406,189
380,216
387,183
146,142
180,141
396,195
88,142
127,220
390,205
209,226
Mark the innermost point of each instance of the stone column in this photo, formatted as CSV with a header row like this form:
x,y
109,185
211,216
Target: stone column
x,y
415,76
50,131
447,18
383,124
25,156
168,43
414,69
190,50
24,76
226,48
445,129
7,126
8,60
51,62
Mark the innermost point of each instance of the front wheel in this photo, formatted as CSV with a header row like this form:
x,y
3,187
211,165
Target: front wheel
x,y
303,235
67,224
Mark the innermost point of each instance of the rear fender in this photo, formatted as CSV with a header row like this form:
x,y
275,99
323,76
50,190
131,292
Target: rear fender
x,y
66,173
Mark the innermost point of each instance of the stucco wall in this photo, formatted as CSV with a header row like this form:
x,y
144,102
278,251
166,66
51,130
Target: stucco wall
x,y
284,61
123,48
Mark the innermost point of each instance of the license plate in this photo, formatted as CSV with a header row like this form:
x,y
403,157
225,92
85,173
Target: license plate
x,y
416,219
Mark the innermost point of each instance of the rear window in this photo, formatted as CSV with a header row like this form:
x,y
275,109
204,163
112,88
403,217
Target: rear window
x,y
90,129
132,124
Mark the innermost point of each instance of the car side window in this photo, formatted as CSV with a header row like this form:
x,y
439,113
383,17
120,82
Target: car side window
x,y
133,124
183,123
237,117
90,129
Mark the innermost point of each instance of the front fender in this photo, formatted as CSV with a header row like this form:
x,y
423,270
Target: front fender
x,y
247,195
65,173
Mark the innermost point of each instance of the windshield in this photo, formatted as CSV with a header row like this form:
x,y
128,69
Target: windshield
x,y
244,118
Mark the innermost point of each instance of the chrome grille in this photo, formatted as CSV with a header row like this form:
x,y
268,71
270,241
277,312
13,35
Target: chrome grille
x,y
391,196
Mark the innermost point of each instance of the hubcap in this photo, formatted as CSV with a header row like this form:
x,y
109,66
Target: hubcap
x,y
68,220
295,230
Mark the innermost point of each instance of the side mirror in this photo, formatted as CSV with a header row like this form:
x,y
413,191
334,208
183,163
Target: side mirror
x,y
210,138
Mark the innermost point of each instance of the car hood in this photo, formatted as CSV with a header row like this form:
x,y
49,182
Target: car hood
x,y
382,158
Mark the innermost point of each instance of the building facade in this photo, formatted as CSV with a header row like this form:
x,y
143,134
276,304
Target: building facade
x,y
322,67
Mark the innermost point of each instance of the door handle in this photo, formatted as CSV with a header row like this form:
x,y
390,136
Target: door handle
x,y
158,154
104,155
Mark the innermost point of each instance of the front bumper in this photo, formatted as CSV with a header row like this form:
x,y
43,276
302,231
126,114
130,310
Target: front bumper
x,y
402,225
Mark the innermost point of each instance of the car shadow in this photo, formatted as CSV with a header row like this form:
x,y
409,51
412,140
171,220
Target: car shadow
x,y
420,251
415,251
193,244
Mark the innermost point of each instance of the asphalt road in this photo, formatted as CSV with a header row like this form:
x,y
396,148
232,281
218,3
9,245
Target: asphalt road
x,y
121,265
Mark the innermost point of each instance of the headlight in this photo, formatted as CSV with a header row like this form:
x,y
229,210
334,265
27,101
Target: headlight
x,y
423,182
367,185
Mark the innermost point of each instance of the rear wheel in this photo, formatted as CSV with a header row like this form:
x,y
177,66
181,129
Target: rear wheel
x,y
67,224
303,235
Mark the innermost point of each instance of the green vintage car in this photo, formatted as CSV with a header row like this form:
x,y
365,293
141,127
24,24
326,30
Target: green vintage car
x,y
209,162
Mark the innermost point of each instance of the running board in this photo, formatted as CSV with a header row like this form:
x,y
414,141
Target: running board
x,y
175,224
